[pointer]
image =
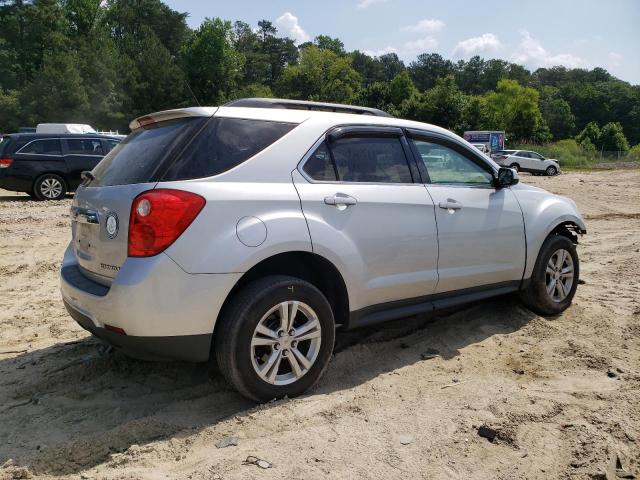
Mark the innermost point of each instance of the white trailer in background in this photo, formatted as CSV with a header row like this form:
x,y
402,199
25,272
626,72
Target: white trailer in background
x,y
492,139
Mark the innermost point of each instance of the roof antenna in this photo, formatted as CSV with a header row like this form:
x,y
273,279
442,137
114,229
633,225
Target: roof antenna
x,y
186,82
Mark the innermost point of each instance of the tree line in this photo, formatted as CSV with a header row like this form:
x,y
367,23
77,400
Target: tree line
x,y
106,62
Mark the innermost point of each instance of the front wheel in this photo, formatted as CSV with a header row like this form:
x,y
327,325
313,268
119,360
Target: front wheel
x,y
275,338
551,171
555,277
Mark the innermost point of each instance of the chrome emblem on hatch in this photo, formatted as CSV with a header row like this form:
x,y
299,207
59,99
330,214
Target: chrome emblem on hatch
x,y
112,224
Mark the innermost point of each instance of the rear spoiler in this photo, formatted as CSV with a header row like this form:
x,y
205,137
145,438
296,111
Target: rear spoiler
x,y
165,115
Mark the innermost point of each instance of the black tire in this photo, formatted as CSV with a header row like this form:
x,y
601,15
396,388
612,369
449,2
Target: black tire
x,y
239,320
44,188
551,171
535,296
515,166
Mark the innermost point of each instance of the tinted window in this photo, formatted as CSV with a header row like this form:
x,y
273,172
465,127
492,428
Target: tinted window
x,y
42,147
223,144
84,146
523,154
137,157
446,166
4,143
111,144
535,156
319,165
371,159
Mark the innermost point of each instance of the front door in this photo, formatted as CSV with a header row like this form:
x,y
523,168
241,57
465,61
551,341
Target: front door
x,y
480,228
367,215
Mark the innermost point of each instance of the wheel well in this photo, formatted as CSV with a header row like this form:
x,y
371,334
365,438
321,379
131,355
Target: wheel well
x,y
569,230
307,266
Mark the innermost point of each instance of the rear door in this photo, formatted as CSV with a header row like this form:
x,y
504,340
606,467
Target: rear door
x,y
364,208
35,157
81,154
480,228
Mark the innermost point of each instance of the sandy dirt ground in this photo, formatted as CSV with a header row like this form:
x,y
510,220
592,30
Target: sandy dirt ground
x,y
403,401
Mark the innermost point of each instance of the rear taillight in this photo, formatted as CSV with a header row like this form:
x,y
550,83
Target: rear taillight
x,y
5,162
158,218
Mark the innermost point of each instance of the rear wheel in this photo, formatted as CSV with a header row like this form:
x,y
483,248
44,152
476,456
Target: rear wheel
x,y
275,338
555,277
49,187
515,166
551,171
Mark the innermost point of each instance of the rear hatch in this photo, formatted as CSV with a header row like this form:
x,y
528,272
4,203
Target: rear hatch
x,y
102,204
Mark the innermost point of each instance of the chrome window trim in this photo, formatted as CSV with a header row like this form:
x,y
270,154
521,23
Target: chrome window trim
x,y
41,154
323,138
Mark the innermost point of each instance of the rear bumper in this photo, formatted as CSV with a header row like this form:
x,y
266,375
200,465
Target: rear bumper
x,y
165,312
190,348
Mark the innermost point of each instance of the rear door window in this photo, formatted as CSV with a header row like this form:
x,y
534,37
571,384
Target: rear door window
x,y
42,147
139,157
223,144
84,146
371,160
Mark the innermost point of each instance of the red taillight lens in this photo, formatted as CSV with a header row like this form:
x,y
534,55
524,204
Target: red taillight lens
x,y
158,218
5,162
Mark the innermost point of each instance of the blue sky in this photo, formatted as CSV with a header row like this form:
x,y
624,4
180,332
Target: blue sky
x,y
535,33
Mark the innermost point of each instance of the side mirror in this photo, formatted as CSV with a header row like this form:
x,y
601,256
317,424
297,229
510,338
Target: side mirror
x,y
506,177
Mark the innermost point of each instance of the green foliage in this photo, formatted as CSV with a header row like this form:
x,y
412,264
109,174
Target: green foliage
x,y
401,88
104,62
514,108
612,138
634,153
210,62
321,75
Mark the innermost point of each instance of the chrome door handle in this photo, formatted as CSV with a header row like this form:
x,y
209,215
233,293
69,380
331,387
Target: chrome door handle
x,y
340,199
450,204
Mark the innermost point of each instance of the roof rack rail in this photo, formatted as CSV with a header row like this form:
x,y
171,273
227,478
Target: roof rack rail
x,y
305,105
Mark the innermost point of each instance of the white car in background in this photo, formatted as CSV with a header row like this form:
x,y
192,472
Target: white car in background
x,y
527,161
482,147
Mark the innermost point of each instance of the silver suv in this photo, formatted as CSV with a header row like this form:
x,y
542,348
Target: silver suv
x,y
247,233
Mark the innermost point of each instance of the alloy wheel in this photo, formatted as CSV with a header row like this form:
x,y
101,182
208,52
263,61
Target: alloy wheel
x,y
559,275
286,342
50,188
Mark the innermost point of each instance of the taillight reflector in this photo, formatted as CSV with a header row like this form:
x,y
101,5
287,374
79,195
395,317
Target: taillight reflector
x,y
5,162
158,218
113,329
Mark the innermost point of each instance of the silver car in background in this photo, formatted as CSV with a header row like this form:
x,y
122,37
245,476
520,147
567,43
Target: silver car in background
x,y
527,161
246,234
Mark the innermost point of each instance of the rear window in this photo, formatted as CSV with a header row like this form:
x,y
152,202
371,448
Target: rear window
x,y
138,157
223,144
4,142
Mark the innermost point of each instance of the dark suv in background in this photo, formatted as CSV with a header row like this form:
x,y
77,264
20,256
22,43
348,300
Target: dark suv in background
x,y
46,166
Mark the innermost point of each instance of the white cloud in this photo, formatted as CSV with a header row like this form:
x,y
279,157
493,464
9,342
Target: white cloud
x,y
428,25
531,53
382,51
421,45
367,3
485,43
615,59
288,23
